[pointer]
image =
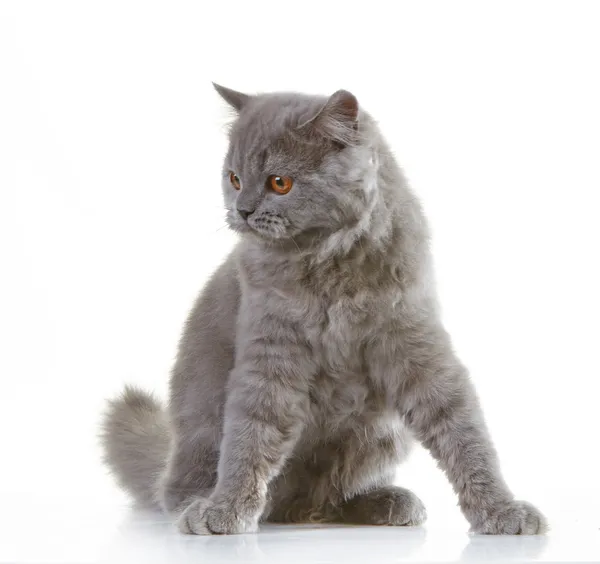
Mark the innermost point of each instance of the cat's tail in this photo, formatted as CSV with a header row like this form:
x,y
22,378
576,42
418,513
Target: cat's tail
x,y
135,442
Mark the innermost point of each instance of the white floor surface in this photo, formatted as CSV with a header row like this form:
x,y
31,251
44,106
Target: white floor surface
x,y
45,530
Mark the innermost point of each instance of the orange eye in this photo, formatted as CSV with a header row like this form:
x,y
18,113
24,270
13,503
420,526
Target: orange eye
x,y
280,184
235,180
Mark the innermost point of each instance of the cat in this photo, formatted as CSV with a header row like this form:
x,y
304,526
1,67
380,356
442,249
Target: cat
x,y
315,354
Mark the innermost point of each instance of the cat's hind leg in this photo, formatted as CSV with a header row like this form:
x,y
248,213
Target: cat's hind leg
x,y
349,480
384,505
191,473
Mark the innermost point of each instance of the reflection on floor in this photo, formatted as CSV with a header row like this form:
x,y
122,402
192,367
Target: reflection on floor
x,y
74,531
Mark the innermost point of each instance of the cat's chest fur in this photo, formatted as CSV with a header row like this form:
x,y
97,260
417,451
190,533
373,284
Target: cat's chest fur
x,y
338,309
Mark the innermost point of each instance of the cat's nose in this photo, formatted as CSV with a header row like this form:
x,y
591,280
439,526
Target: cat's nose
x,y
245,213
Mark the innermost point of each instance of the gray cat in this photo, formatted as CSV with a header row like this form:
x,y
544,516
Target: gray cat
x,y
315,352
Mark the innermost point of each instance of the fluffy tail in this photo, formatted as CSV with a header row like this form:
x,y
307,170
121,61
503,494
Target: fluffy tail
x,y
135,441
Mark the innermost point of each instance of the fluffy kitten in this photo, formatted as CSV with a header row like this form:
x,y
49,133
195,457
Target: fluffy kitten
x,y
316,352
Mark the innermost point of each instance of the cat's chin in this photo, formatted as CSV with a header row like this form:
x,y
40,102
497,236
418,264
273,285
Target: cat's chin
x,y
257,233
266,236
241,228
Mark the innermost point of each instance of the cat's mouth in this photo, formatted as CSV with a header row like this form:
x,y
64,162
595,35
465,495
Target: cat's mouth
x,y
263,229
266,225
270,226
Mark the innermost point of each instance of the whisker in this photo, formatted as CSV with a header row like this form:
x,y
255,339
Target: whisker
x,y
294,240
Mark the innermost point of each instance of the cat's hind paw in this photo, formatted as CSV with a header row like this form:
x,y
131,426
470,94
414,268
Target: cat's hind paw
x,y
389,505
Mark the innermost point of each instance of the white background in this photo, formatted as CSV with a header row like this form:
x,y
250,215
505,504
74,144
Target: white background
x,y
111,139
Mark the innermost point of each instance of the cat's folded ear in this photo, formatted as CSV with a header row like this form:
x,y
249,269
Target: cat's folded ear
x,y
237,100
338,119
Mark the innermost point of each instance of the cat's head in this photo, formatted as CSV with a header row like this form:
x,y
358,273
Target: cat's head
x,y
298,167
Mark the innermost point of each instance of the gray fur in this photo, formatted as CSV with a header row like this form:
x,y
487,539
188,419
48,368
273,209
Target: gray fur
x,y
135,436
316,351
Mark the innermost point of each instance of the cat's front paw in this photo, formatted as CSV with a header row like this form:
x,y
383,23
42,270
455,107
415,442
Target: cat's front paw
x,y
512,518
205,516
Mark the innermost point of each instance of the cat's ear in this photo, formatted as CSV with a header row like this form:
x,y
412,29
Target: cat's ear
x,y
237,100
338,118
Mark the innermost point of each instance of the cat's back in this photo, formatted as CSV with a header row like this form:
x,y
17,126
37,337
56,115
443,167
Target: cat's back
x,y
209,335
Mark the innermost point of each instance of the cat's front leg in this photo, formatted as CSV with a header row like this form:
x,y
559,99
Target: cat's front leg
x,y
267,400
440,405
